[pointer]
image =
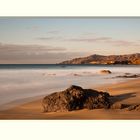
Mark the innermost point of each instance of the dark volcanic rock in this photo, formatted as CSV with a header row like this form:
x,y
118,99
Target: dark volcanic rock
x,y
128,107
105,71
75,98
118,106
134,107
129,76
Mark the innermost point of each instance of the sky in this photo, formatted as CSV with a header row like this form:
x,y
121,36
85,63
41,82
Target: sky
x,y
52,40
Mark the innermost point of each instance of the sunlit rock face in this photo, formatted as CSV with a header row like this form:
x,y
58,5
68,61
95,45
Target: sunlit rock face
x,y
111,59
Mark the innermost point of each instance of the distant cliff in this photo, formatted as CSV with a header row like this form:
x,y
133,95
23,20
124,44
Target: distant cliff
x,y
101,59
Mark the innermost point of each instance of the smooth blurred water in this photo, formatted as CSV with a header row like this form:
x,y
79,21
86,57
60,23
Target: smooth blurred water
x,y
24,81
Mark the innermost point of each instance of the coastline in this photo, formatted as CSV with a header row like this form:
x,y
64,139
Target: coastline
x,y
126,92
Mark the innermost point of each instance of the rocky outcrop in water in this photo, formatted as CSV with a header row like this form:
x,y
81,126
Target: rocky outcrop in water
x,y
129,76
105,72
75,98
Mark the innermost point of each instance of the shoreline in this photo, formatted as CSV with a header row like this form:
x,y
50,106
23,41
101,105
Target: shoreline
x,y
126,92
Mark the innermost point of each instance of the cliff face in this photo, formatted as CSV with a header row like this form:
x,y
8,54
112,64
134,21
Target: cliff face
x,y
111,59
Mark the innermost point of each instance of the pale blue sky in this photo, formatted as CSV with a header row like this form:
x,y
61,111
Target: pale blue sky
x,y
35,38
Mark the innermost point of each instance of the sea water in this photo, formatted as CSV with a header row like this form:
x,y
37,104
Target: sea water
x,y
24,81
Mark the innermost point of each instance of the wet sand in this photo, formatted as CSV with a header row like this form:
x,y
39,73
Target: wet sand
x,y
125,92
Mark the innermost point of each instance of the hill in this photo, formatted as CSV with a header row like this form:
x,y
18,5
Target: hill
x,y
101,59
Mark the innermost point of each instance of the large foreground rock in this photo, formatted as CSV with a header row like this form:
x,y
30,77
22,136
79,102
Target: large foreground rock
x,y
75,98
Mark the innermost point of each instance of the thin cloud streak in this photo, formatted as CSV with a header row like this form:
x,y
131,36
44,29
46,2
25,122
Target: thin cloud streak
x,y
107,40
49,38
23,48
33,54
90,39
33,28
54,32
95,39
124,43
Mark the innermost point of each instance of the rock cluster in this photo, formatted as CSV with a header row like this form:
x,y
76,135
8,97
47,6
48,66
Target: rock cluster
x,y
75,98
134,107
118,106
127,107
129,76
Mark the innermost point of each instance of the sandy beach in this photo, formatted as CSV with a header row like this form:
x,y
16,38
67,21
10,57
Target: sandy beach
x,y
124,92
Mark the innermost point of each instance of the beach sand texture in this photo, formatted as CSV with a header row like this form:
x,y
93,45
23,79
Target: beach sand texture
x,y
124,92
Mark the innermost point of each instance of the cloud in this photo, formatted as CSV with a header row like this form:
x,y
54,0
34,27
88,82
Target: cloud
x,y
33,28
124,43
49,38
9,48
53,32
96,39
51,35
107,40
33,54
89,34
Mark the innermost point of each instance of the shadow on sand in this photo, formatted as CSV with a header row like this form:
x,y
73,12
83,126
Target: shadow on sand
x,y
123,96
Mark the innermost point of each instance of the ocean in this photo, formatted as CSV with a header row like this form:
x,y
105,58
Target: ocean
x,y
22,81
